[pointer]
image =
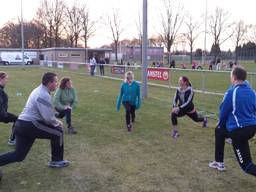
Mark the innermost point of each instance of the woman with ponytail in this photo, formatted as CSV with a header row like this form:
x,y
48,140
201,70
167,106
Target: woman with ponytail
x,y
183,105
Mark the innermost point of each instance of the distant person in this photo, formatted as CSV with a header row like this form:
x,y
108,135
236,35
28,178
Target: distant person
x,y
172,64
237,120
231,64
183,105
218,64
154,64
38,121
130,98
101,65
211,64
183,66
194,64
92,65
5,116
65,101
128,65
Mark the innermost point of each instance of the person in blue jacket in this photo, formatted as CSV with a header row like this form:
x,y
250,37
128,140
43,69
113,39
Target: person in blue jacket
x,y
237,120
130,98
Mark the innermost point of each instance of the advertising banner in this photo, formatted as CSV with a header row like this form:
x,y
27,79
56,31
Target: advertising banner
x,y
158,74
117,70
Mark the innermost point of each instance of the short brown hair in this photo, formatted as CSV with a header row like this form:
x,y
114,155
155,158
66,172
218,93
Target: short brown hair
x,y
2,74
239,73
63,82
48,78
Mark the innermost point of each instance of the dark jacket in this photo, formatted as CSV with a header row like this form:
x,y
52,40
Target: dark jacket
x,y
3,103
184,99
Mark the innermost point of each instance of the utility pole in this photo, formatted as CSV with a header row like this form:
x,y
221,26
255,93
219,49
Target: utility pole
x,y
205,32
144,67
22,33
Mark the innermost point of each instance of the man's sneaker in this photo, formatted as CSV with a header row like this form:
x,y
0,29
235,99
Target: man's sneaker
x,y
11,142
71,130
217,165
229,140
175,134
205,122
58,164
1,175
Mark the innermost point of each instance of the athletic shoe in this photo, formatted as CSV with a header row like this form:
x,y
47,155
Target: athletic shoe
x,y
217,165
129,128
71,130
175,134
205,122
58,164
11,142
1,175
229,140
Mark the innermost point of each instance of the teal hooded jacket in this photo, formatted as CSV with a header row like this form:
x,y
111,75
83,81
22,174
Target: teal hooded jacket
x,y
129,93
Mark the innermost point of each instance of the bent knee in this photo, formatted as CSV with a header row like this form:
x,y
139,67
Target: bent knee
x,y
20,157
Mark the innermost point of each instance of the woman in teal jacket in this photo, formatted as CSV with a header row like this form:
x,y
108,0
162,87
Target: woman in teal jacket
x,y
130,98
65,100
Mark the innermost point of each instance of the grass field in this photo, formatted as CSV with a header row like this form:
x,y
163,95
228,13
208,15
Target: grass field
x,y
104,158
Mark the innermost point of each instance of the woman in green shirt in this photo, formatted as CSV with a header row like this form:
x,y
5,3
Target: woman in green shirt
x,y
65,100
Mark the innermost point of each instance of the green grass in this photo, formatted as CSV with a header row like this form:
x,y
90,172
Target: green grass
x,y
104,158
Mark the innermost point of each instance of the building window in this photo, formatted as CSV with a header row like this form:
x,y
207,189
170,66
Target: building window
x,y
75,55
63,55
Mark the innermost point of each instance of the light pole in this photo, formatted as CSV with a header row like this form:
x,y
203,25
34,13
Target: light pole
x,y
144,66
205,31
22,33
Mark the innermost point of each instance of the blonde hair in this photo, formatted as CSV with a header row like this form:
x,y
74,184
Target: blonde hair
x,y
128,73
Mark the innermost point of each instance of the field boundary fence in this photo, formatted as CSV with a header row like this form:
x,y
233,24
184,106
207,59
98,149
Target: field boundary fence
x,y
211,85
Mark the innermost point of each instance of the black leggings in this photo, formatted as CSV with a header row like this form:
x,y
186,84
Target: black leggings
x,y
11,118
26,132
65,113
193,116
240,144
129,112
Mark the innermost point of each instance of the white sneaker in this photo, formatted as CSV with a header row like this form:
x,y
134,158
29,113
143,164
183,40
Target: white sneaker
x,y
217,165
229,140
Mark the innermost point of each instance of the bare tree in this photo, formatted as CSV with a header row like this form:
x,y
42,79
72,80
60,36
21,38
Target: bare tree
x,y
51,15
155,41
219,28
192,34
74,23
114,22
171,21
88,25
10,35
238,37
251,35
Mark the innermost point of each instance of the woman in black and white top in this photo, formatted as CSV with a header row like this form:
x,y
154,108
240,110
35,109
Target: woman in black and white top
x,y
183,105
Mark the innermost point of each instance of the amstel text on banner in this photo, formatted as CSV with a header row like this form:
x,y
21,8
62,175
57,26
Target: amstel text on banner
x,y
158,74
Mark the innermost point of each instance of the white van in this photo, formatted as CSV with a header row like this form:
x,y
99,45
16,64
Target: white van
x,y
8,58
